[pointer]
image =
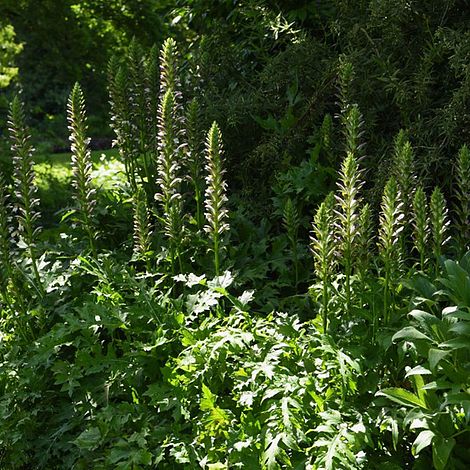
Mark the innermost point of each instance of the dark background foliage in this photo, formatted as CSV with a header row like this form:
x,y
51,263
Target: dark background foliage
x,y
267,71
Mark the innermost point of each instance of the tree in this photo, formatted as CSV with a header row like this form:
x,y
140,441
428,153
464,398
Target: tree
x,y
9,48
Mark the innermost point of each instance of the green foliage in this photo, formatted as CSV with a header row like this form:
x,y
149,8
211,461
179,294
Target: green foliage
x,y
90,32
10,48
438,342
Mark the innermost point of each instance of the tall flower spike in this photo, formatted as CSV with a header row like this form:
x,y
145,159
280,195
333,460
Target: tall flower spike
x,y
353,124
152,87
347,214
463,199
84,193
167,174
168,66
420,226
168,164
326,132
345,79
216,213
365,239
404,172
390,227
137,95
195,157
27,204
406,181
169,80
142,232
439,224
5,255
121,119
322,244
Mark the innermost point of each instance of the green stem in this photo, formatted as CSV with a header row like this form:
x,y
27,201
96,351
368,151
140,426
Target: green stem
x,y
325,304
180,262
296,265
198,199
460,432
216,254
386,294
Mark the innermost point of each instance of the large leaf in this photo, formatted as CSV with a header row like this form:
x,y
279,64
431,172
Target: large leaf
x,y
423,440
441,449
455,312
271,452
456,343
410,333
435,356
418,370
461,328
402,397
458,282
425,319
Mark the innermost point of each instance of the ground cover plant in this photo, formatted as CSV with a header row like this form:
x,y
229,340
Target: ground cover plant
x,y
157,324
